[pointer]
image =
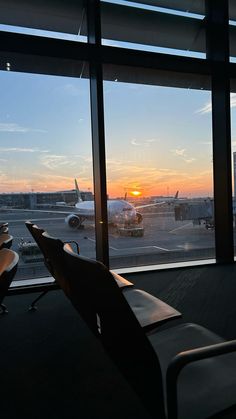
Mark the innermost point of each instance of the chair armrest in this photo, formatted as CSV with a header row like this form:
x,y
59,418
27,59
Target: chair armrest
x,y
76,244
185,358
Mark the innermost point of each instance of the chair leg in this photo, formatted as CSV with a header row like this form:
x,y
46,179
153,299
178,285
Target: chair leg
x,y
3,309
33,306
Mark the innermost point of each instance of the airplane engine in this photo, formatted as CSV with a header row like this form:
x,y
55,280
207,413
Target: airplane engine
x,y
73,221
139,217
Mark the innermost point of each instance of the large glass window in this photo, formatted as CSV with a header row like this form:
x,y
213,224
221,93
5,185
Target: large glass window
x,y
60,19
159,168
168,27
232,30
233,148
45,145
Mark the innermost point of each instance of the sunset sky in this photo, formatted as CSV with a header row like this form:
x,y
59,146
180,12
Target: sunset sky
x,y
158,139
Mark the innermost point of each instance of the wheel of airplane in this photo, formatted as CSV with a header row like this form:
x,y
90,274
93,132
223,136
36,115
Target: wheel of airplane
x,y
139,217
73,221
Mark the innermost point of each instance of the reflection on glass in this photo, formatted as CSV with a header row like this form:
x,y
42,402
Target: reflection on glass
x,y
159,166
157,29
233,147
45,144
63,19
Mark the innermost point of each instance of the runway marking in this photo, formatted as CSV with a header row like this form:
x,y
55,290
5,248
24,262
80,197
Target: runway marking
x,y
161,248
92,240
134,248
143,247
179,228
35,219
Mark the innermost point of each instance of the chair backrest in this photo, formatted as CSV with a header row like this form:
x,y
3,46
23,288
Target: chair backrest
x,y
90,284
36,232
4,228
5,241
8,267
53,249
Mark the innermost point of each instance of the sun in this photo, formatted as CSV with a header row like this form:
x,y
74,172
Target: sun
x,y
136,193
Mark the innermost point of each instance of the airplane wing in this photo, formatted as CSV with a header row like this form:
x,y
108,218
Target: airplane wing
x,y
67,211
150,205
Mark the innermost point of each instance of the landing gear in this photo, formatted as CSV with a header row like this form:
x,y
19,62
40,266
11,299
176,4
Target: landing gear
x,y
75,222
131,231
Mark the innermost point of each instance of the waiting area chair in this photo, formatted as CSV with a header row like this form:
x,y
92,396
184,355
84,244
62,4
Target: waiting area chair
x,y
8,267
3,228
149,310
5,241
36,232
182,372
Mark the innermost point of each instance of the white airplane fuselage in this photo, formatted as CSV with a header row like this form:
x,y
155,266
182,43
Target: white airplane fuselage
x,y
117,210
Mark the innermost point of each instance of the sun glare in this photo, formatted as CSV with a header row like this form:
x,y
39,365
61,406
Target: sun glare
x,y
135,193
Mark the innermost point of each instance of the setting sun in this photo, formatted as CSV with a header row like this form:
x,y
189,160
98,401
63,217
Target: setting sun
x,y
136,193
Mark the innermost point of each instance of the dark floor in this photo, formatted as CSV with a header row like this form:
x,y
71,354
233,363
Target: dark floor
x,y
52,367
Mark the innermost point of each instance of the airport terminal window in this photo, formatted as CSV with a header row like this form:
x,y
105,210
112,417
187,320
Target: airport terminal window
x,y
232,31
45,144
159,171
233,148
60,19
162,30
157,128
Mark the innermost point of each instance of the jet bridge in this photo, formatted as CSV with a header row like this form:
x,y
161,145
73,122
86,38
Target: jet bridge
x,y
198,212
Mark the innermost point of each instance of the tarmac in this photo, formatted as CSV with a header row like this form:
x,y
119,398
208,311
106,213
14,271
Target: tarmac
x,y
164,241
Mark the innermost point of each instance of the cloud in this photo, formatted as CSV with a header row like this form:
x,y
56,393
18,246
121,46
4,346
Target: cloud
x,y
183,155
189,160
13,127
71,89
179,152
22,150
206,143
144,143
151,140
207,108
53,161
87,159
134,142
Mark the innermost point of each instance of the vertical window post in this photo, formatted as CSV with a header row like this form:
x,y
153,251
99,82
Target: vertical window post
x,y
98,133
217,46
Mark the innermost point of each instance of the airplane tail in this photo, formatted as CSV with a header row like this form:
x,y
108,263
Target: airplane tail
x,y
78,192
176,195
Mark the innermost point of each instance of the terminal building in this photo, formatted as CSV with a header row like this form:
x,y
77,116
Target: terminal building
x,y
32,200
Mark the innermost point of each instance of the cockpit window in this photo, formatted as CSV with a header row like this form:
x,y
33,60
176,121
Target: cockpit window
x,y
127,209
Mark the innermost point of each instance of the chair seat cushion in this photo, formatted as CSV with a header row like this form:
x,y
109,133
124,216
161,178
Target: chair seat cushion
x,y
149,310
204,387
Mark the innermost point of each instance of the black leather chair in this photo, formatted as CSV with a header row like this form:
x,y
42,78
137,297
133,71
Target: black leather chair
x,y
182,372
36,232
149,310
8,267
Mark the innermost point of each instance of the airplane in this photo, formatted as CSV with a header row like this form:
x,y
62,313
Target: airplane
x,y
120,211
